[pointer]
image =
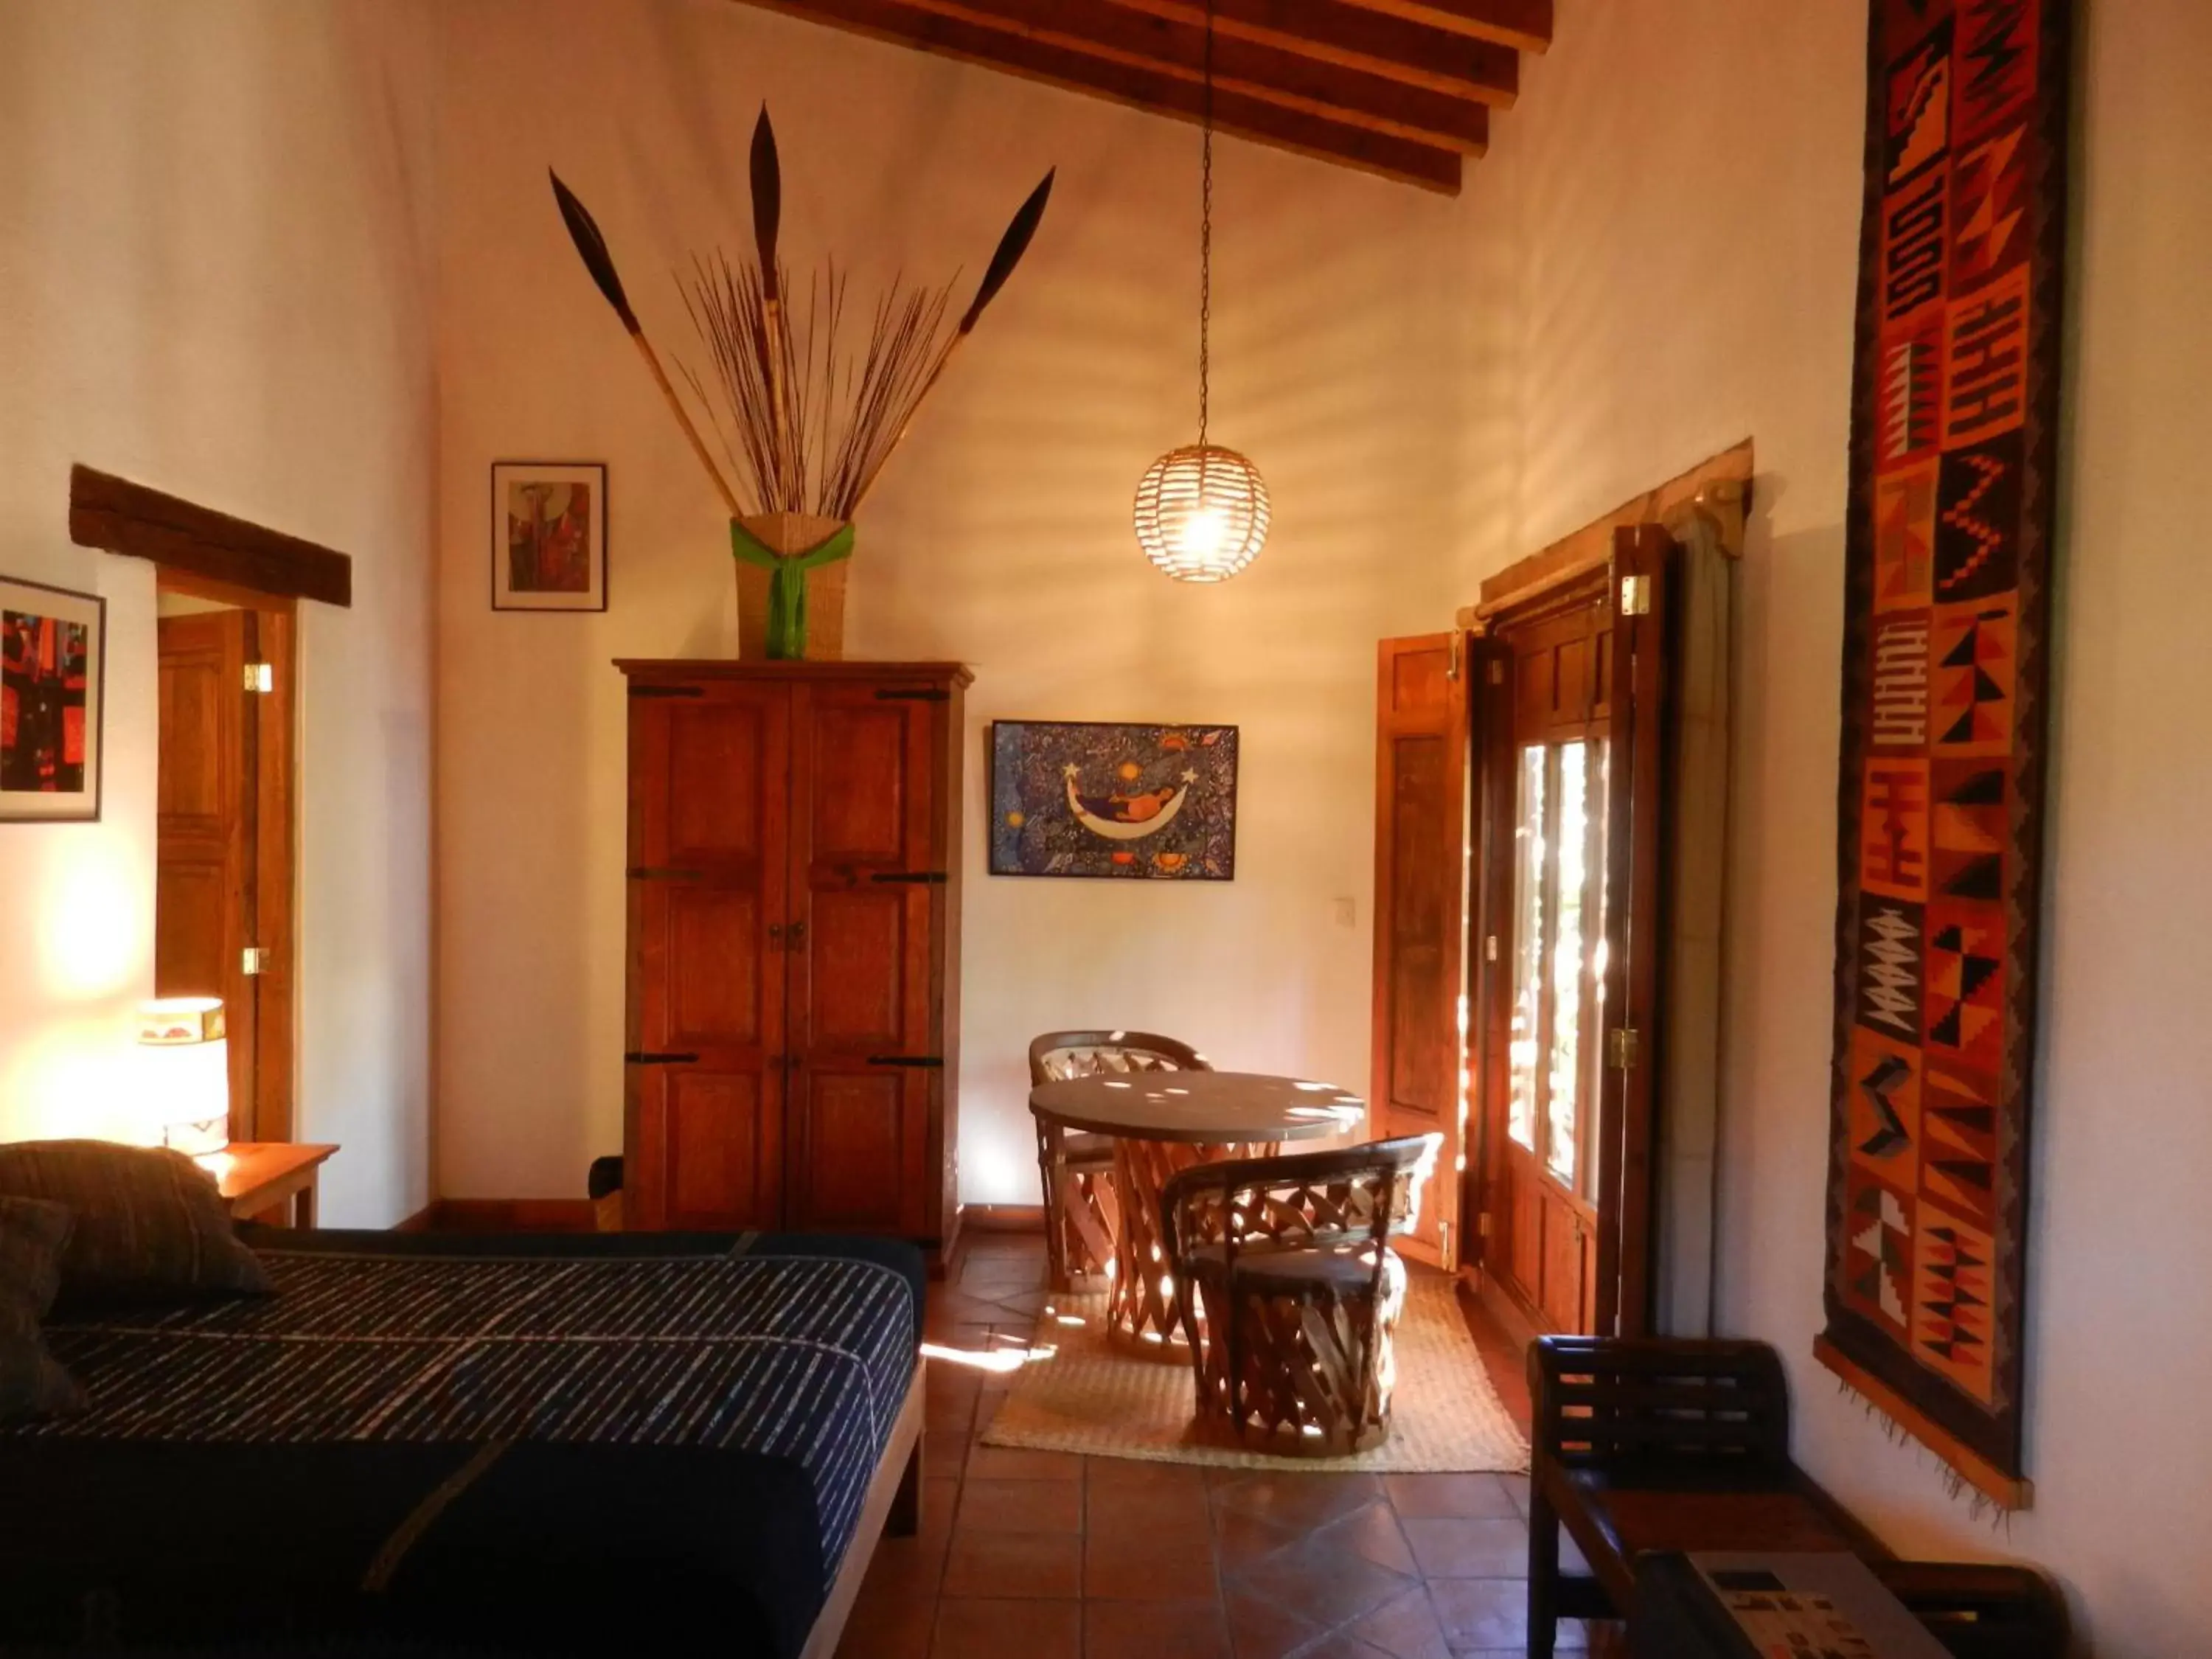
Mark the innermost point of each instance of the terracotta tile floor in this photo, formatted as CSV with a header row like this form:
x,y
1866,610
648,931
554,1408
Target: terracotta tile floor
x,y
1035,1555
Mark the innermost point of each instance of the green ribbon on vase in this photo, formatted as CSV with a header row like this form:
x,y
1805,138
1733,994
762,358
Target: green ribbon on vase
x,y
787,586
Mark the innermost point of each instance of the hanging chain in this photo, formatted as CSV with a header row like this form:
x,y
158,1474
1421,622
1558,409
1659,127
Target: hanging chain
x,y
1205,233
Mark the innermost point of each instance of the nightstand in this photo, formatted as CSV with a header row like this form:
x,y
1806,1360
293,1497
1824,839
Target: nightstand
x,y
257,1176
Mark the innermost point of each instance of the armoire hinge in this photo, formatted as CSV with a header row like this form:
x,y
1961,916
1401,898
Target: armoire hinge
x,y
1636,596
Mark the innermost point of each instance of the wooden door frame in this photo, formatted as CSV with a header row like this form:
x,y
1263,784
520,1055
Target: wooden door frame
x,y
195,549
269,740
1495,789
1641,653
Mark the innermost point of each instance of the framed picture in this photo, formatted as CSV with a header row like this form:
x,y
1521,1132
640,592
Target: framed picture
x,y
1082,798
549,536
53,655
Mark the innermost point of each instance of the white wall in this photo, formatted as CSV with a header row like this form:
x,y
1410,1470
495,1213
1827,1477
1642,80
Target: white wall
x,y
1674,211
213,279
999,537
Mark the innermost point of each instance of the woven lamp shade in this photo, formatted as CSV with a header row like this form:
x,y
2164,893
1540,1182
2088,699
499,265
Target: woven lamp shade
x,y
1202,513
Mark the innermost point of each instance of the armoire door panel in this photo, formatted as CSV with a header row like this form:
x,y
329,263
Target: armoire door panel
x,y
855,960
714,967
857,812
860,1145
720,776
723,1140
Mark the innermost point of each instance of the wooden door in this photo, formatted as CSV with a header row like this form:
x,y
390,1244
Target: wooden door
x,y
866,879
1628,1006
708,855
205,830
1547,700
1573,721
1420,877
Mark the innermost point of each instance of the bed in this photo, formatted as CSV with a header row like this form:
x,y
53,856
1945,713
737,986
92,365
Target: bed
x,y
502,1445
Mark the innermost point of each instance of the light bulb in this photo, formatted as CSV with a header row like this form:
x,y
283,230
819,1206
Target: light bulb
x,y
1201,513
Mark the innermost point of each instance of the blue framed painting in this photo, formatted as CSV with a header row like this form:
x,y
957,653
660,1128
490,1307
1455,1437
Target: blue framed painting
x,y
1087,797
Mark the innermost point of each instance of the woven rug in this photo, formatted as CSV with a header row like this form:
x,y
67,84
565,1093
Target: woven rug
x,y
1077,1394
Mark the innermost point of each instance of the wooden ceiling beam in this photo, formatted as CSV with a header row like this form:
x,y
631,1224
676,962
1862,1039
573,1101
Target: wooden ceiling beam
x,y
1350,37
1524,25
962,29
1152,44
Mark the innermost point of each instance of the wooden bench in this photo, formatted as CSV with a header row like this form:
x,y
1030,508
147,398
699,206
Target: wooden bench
x,y
1663,1444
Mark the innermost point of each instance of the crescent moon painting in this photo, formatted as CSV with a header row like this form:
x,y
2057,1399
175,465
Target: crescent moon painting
x,y
1072,797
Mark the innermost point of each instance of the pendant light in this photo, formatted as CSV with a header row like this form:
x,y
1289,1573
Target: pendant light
x,y
1202,510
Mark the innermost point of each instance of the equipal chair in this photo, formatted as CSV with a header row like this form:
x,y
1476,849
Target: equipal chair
x,y
1078,1169
1299,1290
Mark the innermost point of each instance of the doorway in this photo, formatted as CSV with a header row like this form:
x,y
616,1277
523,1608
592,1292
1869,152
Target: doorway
x,y
1518,893
223,899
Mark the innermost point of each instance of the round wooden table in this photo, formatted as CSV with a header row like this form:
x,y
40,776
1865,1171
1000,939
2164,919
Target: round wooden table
x,y
1164,1121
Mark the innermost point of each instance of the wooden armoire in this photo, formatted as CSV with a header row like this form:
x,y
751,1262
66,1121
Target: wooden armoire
x,y
794,913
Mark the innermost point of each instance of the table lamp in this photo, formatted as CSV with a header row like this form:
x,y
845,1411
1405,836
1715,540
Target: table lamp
x,y
188,1072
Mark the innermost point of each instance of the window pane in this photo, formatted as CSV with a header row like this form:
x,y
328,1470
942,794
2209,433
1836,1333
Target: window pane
x,y
1528,948
1593,1079
1567,965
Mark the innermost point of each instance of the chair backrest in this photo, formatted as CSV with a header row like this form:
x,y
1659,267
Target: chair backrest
x,y
1300,1201
1058,1056
1610,1401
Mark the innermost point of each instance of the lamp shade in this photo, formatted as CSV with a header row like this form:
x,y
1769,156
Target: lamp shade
x,y
187,1072
1201,513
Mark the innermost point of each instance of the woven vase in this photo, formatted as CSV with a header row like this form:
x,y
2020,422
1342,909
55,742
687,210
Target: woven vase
x,y
789,534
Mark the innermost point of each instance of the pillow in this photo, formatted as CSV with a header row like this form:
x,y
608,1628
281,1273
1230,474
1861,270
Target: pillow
x,y
31,1237
150,1225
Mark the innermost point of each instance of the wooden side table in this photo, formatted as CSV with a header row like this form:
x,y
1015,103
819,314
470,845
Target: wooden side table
x,y
257,1176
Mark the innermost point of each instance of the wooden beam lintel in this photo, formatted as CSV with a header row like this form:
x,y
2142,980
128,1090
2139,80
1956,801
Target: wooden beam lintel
x,y
118,516
1525,24
1151,37
1451,64
1328,137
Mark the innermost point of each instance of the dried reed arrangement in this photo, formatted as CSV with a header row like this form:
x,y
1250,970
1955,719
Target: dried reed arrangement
x,y
804,421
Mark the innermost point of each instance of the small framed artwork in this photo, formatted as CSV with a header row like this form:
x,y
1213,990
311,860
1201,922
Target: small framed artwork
x,y
1083,798
53,657
549,536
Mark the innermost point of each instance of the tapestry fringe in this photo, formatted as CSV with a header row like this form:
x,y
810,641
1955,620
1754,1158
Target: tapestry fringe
x,y
1980,1506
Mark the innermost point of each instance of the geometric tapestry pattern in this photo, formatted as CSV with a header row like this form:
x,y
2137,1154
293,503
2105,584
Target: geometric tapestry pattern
x,y
1953,435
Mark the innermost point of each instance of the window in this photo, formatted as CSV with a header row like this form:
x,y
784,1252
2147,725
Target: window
x,y
1559,955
